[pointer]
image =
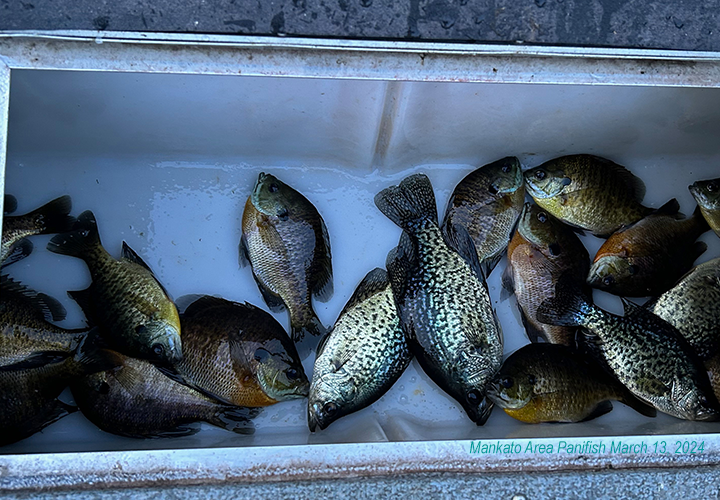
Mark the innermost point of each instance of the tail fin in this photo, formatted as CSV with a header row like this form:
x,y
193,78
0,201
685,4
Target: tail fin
x,y
235,418
313,328
81,241
19,251
412,201
53,216
569,306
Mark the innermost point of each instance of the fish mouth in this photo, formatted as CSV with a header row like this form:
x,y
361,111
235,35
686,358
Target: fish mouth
x,y
314,419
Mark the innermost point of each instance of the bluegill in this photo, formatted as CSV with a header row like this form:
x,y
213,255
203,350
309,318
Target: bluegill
x,y
444,305
487,203
361,357
542,250
125,299
555,383
285,240
588,192
707,196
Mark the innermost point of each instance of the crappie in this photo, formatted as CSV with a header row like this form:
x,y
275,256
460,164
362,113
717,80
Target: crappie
x,y
646,354
542,250
125,300
648,257
239,354
361,357
707,195
555,383
487,202
50,218
137,400
286,242
442,297
588,192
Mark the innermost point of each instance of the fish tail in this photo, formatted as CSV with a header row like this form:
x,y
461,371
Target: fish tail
x,y
410,202
81,241
53,216
569,307
310,328
235,418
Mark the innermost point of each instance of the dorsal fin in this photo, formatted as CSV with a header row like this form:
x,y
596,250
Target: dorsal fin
x,y
636,185
205,302
671,208
48,307
132,256
457,237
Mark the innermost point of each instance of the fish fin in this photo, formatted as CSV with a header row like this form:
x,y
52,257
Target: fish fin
x,y
375,281
36,360
20,250
638,405
84,299
313,327
567,308
636,184
9,204
411,201
321,345
322,286
174,375
131,255
601,409
204,302
630,307
460,240
508,284
80,241
491,263
699,219
53,216
50,415
182,303
653,386
697,250
48,307
398,262
671,208
235,418
273,300
534,334
93,356
243,254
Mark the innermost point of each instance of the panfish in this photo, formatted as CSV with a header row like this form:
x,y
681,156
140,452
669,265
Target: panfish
x,y
125,299
50,218
136,400
238,354
542,250
361,357
487,203
646,354
555,383
648,257
707,195
285,241
443,300
588,192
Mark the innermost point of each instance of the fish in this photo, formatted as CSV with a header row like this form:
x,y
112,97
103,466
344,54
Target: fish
x,y
286,243
487,203
125,299
239,354
588,192
361,357
646,354
648,257
555,383
542,250
50,218
135,399
442,296
27,338
707,196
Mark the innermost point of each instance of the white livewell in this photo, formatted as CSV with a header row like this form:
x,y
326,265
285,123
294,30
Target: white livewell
x,y
166,162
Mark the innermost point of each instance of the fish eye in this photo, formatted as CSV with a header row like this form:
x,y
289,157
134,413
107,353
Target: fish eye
x,y
540,174
493,190
104,388
633,269
507,382
283,214
329,409
141,329
158,349
712,187
532,379
473,396
292,374
554,249
608,280
542,217
273,188
566,181
506,168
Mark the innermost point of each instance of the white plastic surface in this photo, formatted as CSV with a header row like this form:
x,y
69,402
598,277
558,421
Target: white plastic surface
x,y
166,162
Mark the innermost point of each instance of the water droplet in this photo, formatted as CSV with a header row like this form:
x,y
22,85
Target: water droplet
x,y
366,3
403,400
413,379
519,497
678,22
540,3
402,387
447,23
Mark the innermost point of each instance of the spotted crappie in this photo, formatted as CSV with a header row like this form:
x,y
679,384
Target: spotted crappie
x,y
588,192
487,202
442,297
555,383
50,218
646,354
542,250
239,354
648,257
125,299
361,357
707,195
136,400
285,240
